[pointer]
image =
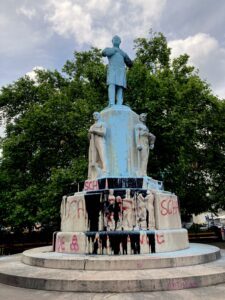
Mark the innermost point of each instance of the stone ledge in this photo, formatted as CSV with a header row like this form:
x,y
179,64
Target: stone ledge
x,y
196,254
14,272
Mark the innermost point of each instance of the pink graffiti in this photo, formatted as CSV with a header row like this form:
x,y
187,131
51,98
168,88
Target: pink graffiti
x,y
160,238
140,264
179,284
144,239
60,243
74,244
91,185
169,207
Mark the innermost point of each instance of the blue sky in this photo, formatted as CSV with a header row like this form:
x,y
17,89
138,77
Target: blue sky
x,y
46,32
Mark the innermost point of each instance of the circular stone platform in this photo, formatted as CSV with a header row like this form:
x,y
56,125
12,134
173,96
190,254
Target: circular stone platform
x,y
195,254
14,272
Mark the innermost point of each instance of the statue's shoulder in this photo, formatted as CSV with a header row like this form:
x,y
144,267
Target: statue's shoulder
x,y
108,51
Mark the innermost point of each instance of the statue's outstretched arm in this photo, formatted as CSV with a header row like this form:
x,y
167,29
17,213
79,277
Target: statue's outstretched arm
x,y
127,59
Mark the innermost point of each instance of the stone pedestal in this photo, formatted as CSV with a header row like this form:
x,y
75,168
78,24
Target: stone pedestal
x,y
120,221
121,212
120,140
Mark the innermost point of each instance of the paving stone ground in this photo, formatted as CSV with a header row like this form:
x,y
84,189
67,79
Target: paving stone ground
x,y
216,292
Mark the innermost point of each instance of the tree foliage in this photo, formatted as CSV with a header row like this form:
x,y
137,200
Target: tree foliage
x,y
46,146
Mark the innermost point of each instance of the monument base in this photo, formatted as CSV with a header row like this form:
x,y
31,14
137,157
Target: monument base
x,y
121,242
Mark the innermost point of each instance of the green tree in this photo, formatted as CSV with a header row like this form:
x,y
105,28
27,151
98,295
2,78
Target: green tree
x,y
46,146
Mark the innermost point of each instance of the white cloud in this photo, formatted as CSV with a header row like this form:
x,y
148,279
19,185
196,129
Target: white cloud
x,y
94,22
34,32
207,55
27,12
198,46
33,74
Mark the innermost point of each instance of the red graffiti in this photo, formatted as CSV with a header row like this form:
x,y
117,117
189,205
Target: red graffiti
x,y
60,244
74,208
175,284
91,185
160,238
119,201
74,244
169,207
144,239
127,204
140,265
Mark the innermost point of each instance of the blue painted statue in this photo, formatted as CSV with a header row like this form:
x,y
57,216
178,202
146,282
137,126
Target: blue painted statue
x,y
116,75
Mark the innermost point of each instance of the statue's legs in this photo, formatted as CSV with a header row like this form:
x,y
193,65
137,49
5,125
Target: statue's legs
x,y
101,147
111,94
119,95
144,160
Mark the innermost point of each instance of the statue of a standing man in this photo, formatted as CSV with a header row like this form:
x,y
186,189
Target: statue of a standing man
x,y
116,74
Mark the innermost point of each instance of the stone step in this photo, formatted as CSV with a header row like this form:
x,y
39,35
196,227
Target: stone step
x,y
195,254
16,273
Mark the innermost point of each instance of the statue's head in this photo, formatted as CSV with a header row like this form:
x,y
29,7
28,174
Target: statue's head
x,y
96,116
116,41
143,117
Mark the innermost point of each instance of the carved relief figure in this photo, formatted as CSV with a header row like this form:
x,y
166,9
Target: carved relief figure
x,y
98,163
141,212
118,219
116,74
144,141
128,212
109,220
151,211
145,211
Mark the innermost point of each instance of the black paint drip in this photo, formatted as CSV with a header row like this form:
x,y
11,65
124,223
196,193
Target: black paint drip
x,y
118,241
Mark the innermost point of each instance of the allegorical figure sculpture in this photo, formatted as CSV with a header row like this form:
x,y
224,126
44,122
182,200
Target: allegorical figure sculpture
x,y
109,220
146,211
98,162
144,141
116,74
128,212
119,210
150,198
141,212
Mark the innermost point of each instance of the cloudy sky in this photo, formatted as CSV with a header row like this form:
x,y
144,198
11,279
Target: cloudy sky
x,y
46,32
